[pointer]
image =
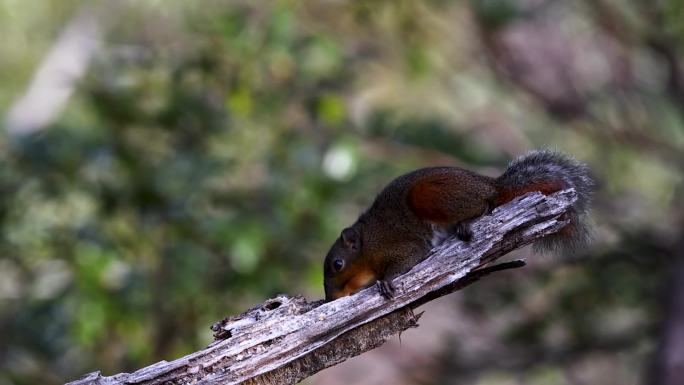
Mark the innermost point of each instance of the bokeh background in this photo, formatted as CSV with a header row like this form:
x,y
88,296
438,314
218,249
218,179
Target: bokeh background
x,y
164,164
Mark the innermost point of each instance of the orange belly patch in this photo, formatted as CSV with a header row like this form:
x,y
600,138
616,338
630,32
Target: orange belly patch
x,y
360,280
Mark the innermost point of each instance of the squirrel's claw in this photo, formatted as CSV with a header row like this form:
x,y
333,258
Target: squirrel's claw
x,y
463,231
386,289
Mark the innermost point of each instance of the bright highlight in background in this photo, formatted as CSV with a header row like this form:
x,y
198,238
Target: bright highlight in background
x,y
339,163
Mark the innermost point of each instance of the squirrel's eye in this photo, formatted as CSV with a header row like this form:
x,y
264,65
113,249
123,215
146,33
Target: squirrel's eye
x,y
338,264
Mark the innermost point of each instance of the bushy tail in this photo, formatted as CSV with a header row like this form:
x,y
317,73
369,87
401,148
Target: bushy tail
x,y
550,171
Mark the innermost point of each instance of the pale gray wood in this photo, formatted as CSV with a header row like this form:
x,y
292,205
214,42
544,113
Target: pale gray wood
x,y
287,338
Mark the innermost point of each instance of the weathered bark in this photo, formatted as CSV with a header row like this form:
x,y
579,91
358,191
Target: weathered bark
x,y
287,339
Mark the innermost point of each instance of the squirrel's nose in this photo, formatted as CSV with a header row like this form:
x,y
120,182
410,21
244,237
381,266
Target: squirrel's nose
x,y
329,292
332,294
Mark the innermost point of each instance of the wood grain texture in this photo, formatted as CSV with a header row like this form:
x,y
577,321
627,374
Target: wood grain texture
x,y
287,339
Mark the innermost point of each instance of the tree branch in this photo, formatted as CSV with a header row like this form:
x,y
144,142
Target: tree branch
x,y
287,339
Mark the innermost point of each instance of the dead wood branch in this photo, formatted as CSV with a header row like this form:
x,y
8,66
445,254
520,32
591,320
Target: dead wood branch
x,y
287,339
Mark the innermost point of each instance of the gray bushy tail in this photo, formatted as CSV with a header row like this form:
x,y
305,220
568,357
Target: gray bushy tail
x,y
548,167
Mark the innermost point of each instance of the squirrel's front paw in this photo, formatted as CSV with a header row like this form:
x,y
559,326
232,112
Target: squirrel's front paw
x,y
386,289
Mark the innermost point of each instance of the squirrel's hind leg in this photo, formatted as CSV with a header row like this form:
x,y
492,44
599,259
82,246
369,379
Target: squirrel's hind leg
x,y
463,231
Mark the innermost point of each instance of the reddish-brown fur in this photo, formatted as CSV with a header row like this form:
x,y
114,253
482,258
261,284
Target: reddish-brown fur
x,y
507,194
448,196
426,196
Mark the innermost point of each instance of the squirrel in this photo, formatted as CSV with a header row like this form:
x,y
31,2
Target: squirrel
x,y
418,210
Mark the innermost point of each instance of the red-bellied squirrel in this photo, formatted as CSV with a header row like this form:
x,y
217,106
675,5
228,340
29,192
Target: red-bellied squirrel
x,y
420,209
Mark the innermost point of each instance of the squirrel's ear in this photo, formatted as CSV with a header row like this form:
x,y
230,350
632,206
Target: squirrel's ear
x,y
350,238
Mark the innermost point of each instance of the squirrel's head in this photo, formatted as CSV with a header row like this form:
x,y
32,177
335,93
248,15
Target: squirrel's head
x,y
343,271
